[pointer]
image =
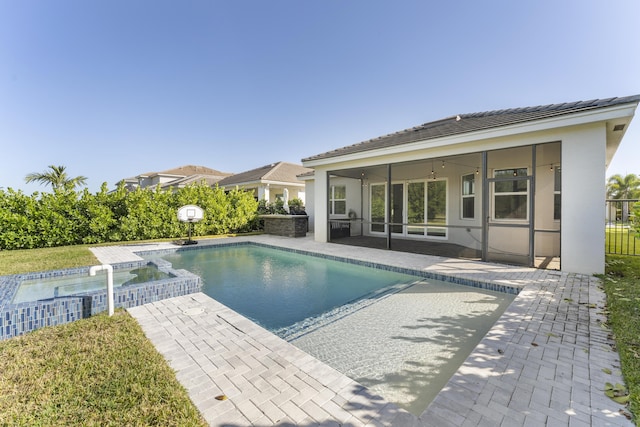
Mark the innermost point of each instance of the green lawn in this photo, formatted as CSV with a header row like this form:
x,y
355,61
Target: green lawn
x,y
100,371
31,260
622,286
622,242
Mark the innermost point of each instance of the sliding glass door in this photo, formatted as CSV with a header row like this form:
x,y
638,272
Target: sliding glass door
x,y
378,208
418,208
437,208
397,208
415,208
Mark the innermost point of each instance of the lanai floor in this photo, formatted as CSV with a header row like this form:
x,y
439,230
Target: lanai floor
x,y
443,249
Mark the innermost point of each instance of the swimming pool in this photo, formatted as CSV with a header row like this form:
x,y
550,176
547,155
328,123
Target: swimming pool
x,y
278,289
402,337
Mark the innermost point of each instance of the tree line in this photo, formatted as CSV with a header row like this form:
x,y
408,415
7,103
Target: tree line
x,y
67,216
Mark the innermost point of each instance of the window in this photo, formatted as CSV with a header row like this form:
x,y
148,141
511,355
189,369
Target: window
x,y
557,180
511,196
468,196
338,200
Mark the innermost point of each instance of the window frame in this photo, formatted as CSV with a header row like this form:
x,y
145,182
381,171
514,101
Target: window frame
x,y
526,192
333,200
557,191
471,195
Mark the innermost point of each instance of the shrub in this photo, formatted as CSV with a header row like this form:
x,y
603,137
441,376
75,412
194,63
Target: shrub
x,y
67,217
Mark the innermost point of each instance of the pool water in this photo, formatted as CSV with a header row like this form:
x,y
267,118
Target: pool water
x,y
276,288
402,336
67,285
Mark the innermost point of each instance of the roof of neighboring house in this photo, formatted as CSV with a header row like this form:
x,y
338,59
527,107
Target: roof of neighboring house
x,y
193,179
465,123
182,176
274,172
188,170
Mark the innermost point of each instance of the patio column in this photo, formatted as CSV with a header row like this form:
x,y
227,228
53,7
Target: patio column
x,y
321,205
583,193
263,192
485,207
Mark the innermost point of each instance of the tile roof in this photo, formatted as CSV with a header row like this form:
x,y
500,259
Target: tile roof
x,y
466,123
281,172
193,179
189,170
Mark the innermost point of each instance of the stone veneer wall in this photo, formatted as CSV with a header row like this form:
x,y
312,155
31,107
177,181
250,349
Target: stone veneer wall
x,y
18,319
286,225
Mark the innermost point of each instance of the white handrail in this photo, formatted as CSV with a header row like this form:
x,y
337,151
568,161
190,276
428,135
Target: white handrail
x,y
109,269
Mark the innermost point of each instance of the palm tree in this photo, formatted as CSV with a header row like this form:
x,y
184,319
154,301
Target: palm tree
x,y
57,178
624,188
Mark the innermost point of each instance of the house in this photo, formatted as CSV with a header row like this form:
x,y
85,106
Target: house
x,y
522,185
176,178
269,182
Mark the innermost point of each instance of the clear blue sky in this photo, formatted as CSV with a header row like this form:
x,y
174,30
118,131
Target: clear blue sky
x,y
111,89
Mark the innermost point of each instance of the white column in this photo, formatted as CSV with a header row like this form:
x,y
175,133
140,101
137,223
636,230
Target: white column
x,y
583,194
263,192
320,201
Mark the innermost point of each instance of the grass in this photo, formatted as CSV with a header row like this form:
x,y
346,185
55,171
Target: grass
x,y
622,286
622,242
33,260
30,260
100,371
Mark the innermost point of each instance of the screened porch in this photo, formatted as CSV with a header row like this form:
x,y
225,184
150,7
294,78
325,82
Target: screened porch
x,y
501,205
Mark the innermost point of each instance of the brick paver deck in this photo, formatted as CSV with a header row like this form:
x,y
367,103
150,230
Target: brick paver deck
x,y
545,362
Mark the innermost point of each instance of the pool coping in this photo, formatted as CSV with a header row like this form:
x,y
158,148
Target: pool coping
x,y
546,360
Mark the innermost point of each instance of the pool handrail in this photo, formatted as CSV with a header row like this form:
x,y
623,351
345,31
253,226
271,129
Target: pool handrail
x,y
109,269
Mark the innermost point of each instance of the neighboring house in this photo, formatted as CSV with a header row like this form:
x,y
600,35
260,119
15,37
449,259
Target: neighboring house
x,y
176,178
270,181
512,185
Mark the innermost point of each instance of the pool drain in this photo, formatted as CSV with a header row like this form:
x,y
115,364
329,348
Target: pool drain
x,y
193,311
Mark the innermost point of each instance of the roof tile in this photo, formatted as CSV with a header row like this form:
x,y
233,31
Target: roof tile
x,y
281,171
466,123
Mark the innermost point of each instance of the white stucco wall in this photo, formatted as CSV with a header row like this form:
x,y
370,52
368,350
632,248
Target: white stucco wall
x,y
583,153
583,194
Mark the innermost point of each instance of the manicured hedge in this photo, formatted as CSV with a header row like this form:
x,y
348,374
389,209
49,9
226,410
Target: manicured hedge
x,y
67,217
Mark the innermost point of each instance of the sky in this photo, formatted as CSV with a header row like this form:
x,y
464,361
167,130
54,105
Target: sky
x,y
115,88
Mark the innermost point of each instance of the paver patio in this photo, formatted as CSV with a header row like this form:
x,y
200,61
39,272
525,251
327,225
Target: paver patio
x,y
542,363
